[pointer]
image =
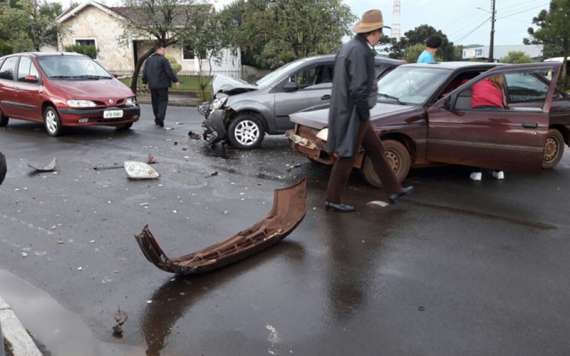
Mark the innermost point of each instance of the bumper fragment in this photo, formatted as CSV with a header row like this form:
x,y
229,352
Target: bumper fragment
x,y
289,208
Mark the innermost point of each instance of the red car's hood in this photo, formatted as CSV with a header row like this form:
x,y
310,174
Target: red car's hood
x,y
319,119
102,89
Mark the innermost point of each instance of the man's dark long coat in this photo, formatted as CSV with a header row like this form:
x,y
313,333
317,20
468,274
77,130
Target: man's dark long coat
x,y
353,83
158,73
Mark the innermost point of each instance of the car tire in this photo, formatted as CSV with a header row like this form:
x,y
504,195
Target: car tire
x,y
553,149
52,122
399,158
3,120
246,132
124,127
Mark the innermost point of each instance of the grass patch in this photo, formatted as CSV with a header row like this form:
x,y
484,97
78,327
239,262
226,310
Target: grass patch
x,y
189,84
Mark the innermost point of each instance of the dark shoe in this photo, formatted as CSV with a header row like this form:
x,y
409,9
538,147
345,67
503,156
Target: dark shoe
x,y
339,207
159,123
393,198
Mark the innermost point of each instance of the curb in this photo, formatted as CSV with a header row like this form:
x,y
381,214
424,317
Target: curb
x,y
14,331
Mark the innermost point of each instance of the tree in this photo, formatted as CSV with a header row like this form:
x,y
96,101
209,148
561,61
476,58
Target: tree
x,y
516,57
205,36
413,52
273,32
552,29
160,21
28,25
418,36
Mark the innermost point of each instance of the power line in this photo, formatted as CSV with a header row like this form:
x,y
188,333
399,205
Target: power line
x,y
523,11
473,30
517,6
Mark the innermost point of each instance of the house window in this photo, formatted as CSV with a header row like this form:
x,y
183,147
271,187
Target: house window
x,y
188,53
85,42
479,52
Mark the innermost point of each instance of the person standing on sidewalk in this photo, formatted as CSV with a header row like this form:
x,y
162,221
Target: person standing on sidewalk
x,y
349,115
159,76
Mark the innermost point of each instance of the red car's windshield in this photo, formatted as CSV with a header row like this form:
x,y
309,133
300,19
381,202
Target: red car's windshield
x,y
72,68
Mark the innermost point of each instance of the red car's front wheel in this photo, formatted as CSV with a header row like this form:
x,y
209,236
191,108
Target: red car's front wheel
x,y
397,156
52,121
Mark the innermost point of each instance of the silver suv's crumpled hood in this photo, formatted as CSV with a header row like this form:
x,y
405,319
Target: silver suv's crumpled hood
x,y
230,86
319,119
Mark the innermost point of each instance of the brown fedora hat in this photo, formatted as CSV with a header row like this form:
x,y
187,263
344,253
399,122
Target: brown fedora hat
x,y
371,20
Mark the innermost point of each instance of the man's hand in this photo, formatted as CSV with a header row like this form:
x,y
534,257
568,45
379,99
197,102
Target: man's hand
x,y
177,84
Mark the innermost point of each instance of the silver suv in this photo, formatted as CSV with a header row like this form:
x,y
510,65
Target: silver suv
x,y
242,113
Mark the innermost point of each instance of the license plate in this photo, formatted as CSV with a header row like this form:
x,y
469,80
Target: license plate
x,y
112,114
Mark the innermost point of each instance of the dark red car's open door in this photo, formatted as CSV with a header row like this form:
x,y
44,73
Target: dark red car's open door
x,y
511,139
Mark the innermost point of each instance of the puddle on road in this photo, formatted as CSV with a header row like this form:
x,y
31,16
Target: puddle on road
x,y
58,330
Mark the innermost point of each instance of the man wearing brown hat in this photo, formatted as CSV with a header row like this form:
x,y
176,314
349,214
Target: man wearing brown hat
x,y
349,116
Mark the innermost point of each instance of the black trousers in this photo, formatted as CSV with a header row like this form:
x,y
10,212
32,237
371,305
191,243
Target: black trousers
x,y
340,173
159,98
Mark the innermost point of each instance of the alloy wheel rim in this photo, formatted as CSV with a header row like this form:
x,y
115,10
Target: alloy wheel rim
x,y
51,121
550,149
247,133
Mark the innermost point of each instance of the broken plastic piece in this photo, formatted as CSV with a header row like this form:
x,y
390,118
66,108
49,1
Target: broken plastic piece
x,y
140,170
289,208
3,167
50,167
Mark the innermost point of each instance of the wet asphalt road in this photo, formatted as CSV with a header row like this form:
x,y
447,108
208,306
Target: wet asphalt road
x,y
459,268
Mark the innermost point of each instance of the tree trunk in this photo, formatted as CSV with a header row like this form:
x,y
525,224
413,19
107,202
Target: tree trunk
x,y
138,66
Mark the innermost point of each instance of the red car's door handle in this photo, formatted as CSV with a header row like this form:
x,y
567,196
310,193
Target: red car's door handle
x,y
528,125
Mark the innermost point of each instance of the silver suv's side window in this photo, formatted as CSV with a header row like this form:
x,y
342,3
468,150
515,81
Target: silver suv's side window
x,y
8,69
320,74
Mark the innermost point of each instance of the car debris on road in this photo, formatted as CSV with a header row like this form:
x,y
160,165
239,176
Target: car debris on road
x,y
37,168
289,208
3,167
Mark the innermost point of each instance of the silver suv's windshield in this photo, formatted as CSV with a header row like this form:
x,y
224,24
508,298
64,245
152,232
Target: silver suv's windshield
x,y
72,68
411,85
276,74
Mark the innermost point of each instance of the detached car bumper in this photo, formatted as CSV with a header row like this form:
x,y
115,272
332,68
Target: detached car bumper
x,y
99,116
215,126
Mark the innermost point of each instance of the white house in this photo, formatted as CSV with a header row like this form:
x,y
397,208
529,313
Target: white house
x,y
93,23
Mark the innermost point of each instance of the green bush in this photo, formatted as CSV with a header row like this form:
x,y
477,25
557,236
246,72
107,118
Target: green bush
x,y
516,57
176,67
90,51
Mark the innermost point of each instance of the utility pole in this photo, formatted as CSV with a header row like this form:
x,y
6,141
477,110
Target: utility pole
x,y
492,42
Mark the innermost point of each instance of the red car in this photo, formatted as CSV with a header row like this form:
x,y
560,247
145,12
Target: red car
x,y
63,89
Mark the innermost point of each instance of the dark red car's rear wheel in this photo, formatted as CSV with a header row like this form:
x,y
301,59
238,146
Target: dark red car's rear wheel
x,y
553,149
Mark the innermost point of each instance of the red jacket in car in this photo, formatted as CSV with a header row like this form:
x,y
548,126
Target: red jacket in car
x,y
486,94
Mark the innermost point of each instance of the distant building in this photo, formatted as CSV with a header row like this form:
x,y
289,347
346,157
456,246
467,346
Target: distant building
x,y
482,52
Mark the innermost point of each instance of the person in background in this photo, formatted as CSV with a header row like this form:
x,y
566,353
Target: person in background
x,y
159,76
433,43
349,115
489,95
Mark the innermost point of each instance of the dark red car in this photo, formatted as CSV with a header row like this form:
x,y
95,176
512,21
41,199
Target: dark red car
x,y
63,89
424,116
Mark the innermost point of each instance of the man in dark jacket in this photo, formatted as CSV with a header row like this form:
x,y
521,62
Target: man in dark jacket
x,y
2,167
349,126
159,76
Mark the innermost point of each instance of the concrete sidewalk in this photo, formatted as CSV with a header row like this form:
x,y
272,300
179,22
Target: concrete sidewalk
x,y
12,330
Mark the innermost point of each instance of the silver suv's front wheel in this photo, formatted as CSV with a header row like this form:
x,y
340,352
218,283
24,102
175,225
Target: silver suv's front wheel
x,y
246,131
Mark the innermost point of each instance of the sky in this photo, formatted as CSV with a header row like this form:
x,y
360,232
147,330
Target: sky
x,y
463,21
